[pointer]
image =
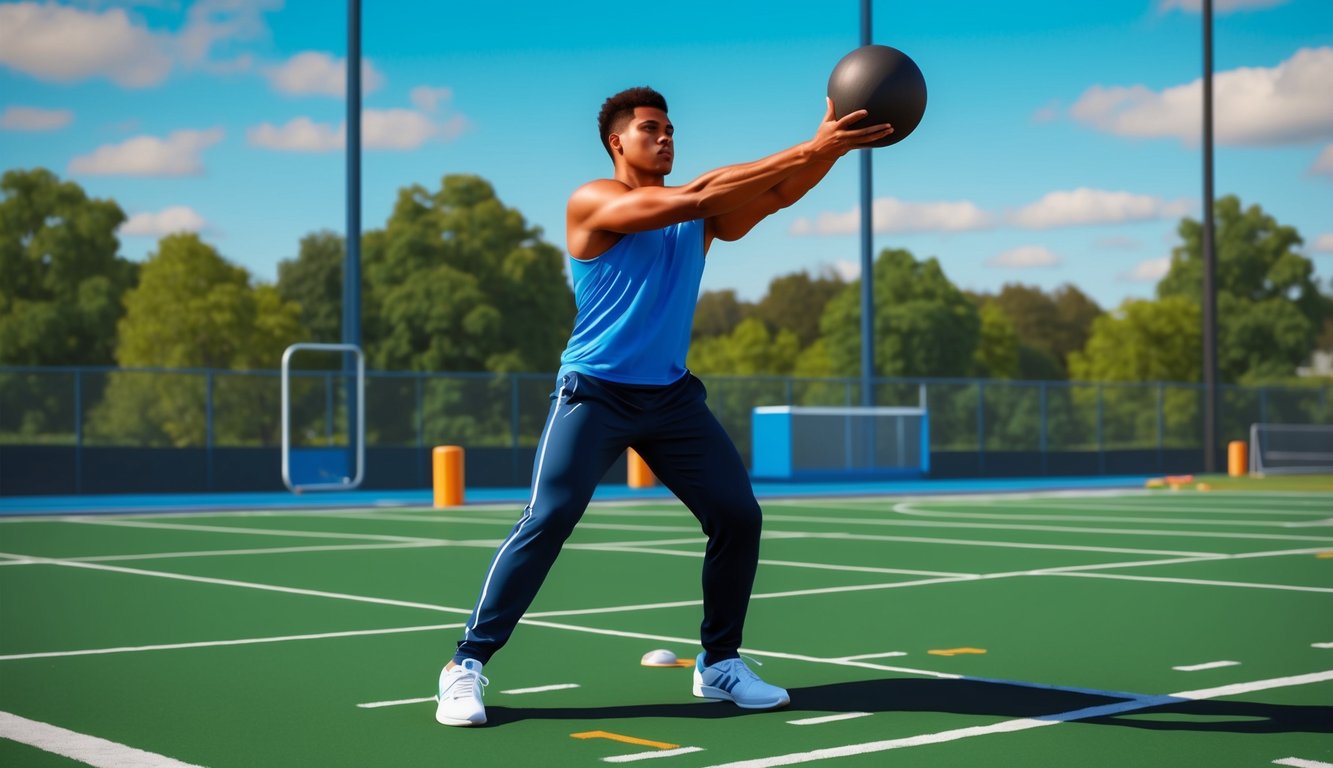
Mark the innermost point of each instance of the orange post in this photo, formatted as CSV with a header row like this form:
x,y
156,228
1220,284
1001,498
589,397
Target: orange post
x,y
447,470
1238,458
640,476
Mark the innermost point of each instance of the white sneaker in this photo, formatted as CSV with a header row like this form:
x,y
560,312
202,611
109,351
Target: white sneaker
x,y
732,680
460,695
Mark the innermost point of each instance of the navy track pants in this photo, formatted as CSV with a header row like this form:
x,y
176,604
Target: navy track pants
x,y
591,423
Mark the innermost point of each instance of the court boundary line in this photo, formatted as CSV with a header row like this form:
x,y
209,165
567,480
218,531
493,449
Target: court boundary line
x,y
85,748
1028,723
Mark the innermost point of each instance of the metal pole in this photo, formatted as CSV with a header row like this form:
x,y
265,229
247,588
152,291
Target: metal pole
x,y
867,258
1209,257
351,325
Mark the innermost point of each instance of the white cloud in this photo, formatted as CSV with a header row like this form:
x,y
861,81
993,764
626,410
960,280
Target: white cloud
x,y
1219,6
1025,257
34,119
1251,105
299,135
213,24
1149,271
178,218
1323,165
176,155
428,99
1086,206
1118,242
393,129
396,129
55,43
1323,243
890,214
319,74
847,269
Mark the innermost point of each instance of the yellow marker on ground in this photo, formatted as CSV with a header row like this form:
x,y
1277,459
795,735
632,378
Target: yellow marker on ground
x,y
955,651
1325,555
624,739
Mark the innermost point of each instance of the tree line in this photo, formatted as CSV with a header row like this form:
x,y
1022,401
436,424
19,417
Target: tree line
x,y
457,281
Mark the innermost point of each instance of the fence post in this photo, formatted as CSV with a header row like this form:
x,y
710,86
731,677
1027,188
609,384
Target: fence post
x,y
981,426
1101,445
208,429
420,400
78,430
1161,427
1045,427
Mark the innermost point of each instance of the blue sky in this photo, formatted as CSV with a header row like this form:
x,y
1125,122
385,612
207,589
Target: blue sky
x,y
1060,143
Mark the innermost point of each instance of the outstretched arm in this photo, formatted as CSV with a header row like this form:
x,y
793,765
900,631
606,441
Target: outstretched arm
x,y
610,206
734,224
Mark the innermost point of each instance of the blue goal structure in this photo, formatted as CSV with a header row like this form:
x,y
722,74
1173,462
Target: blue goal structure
x,y
839,443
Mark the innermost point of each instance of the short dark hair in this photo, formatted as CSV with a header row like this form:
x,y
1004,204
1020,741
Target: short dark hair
x,y
619,109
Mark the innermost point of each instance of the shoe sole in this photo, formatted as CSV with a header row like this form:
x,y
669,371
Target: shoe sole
x,y
444,719
717,694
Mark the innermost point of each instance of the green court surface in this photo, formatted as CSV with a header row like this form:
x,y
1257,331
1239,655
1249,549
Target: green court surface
x,y
1044,629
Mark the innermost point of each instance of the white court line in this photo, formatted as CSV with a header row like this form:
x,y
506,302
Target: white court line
x,y
1199,582
1321,645
542,688
222,643
1184,510
1296,762
395,702
250,585
905,510
1050,528
90,750
791,563
231,552
1023,724
828,718
637,756
873,655
253,531
1011,544
1206,665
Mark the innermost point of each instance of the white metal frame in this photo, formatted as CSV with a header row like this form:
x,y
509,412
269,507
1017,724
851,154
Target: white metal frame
x,y
360,435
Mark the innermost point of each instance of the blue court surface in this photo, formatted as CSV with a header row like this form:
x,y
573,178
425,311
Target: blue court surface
x,y
122,503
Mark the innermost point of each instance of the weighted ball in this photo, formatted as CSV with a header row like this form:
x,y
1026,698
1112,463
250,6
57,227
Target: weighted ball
x,y
885,82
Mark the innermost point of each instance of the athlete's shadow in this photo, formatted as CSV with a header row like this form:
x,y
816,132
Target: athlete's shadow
x,y
966,697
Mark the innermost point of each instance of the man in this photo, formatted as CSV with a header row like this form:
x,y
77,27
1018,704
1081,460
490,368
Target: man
x,y
637,249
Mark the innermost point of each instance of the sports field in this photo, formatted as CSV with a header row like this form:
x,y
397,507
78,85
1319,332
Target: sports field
x,y
1046,629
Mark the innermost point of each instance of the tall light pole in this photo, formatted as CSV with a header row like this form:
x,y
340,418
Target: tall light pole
x,y
1209,256
351,320
867,257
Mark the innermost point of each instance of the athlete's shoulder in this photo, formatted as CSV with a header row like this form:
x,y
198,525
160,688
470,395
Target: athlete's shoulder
x,y
596,192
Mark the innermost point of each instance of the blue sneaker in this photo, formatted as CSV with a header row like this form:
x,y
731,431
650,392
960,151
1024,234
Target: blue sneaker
x,y
732,680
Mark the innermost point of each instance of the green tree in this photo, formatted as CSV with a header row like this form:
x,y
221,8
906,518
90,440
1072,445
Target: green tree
x,y
997,354
1049,326
924,325
1269,309
314,280
717,313
456,281
194,309
61,277
748,350
796,302
1143,341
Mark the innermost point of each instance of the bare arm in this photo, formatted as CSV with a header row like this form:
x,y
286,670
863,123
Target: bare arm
x,y
610,207
734,224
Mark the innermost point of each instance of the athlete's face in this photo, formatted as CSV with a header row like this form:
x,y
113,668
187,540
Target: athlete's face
x,y
646,142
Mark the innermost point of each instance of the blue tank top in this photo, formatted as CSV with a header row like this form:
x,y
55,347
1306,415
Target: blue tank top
x,y
636,306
